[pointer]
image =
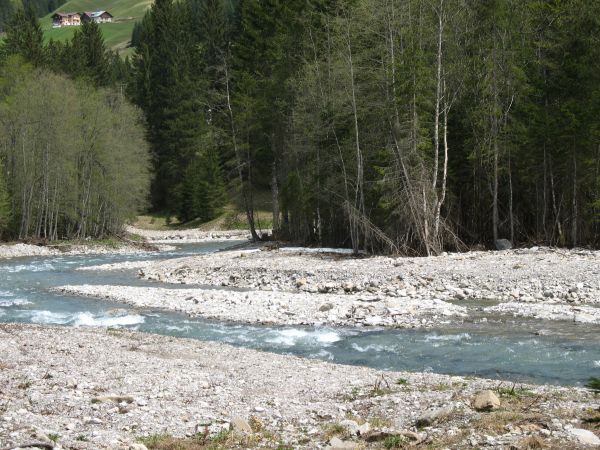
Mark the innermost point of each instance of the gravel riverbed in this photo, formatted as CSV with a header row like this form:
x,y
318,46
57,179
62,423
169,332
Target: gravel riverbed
x,y
107,388
296,286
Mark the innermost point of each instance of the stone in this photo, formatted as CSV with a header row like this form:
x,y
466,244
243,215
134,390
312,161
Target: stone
x,y
376,436
585,437
138,446
431,416
337,444
300,282
92,421
486,401
325,307
364,429
240,425
503,244
350,425
113,399
348,286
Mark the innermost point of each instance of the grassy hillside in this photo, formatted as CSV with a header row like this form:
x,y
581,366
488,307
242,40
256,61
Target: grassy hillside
x,y
116,34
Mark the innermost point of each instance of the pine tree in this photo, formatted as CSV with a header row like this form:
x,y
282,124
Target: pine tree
x,y
88,54
24,37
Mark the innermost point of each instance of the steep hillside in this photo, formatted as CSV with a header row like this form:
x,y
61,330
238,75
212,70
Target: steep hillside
x,y
116,34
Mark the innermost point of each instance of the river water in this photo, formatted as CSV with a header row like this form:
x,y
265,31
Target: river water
x,y
518,350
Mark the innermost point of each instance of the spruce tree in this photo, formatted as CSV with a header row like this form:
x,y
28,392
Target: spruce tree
x,y
24,37
88,54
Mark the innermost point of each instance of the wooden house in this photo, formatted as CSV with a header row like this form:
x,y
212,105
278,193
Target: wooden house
x,y
97,16
66,19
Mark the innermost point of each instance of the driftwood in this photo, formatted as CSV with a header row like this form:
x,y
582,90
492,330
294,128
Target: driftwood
x,y
34,445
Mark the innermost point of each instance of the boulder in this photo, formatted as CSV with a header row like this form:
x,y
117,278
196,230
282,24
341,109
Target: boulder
x,y
348,286
138,446
337,444
585,437
325,307
240,425
431,416
364,429
350,425
486,401
503,244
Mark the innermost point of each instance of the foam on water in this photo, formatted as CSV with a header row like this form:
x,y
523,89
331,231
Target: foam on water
x,y
597,363
290,337
49,317
287,337
14,302
369,348
88,320
448,337
83,319
34,267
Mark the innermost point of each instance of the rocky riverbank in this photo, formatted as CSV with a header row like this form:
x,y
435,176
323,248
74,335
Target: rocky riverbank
x,y
18,250
116,389
188,236
281,308
300,286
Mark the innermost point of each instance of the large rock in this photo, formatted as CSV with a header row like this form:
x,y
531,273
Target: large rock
x,y
486,401
350,425
503,244
431,416
585,437
138,446
337,444
240,425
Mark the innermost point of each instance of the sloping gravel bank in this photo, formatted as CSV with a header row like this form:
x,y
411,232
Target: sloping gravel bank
x,y
567,281
104,389
23,250
281,308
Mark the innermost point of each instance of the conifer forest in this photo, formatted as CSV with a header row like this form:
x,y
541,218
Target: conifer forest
x,y
395,126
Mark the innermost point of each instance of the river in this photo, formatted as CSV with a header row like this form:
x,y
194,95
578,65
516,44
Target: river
x,y
518,350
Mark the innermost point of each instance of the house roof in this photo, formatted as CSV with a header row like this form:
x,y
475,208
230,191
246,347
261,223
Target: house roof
x,y
94,14
66,14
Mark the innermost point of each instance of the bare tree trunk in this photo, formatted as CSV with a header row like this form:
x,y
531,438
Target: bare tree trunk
x,y
359,199
275,197
438,97
245,194
495,216
510,201
574,202
442,198
555,209
545,197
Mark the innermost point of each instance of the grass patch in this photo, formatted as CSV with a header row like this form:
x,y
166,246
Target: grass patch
x,y
395,441
594,385
514,392
202,441
333,429
402,382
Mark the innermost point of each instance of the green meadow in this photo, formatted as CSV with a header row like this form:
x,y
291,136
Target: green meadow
x,y
116,34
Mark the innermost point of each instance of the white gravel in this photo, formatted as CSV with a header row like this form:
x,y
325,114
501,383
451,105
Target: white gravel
x,y
566,281
104,389
192,235
23,250
281,308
